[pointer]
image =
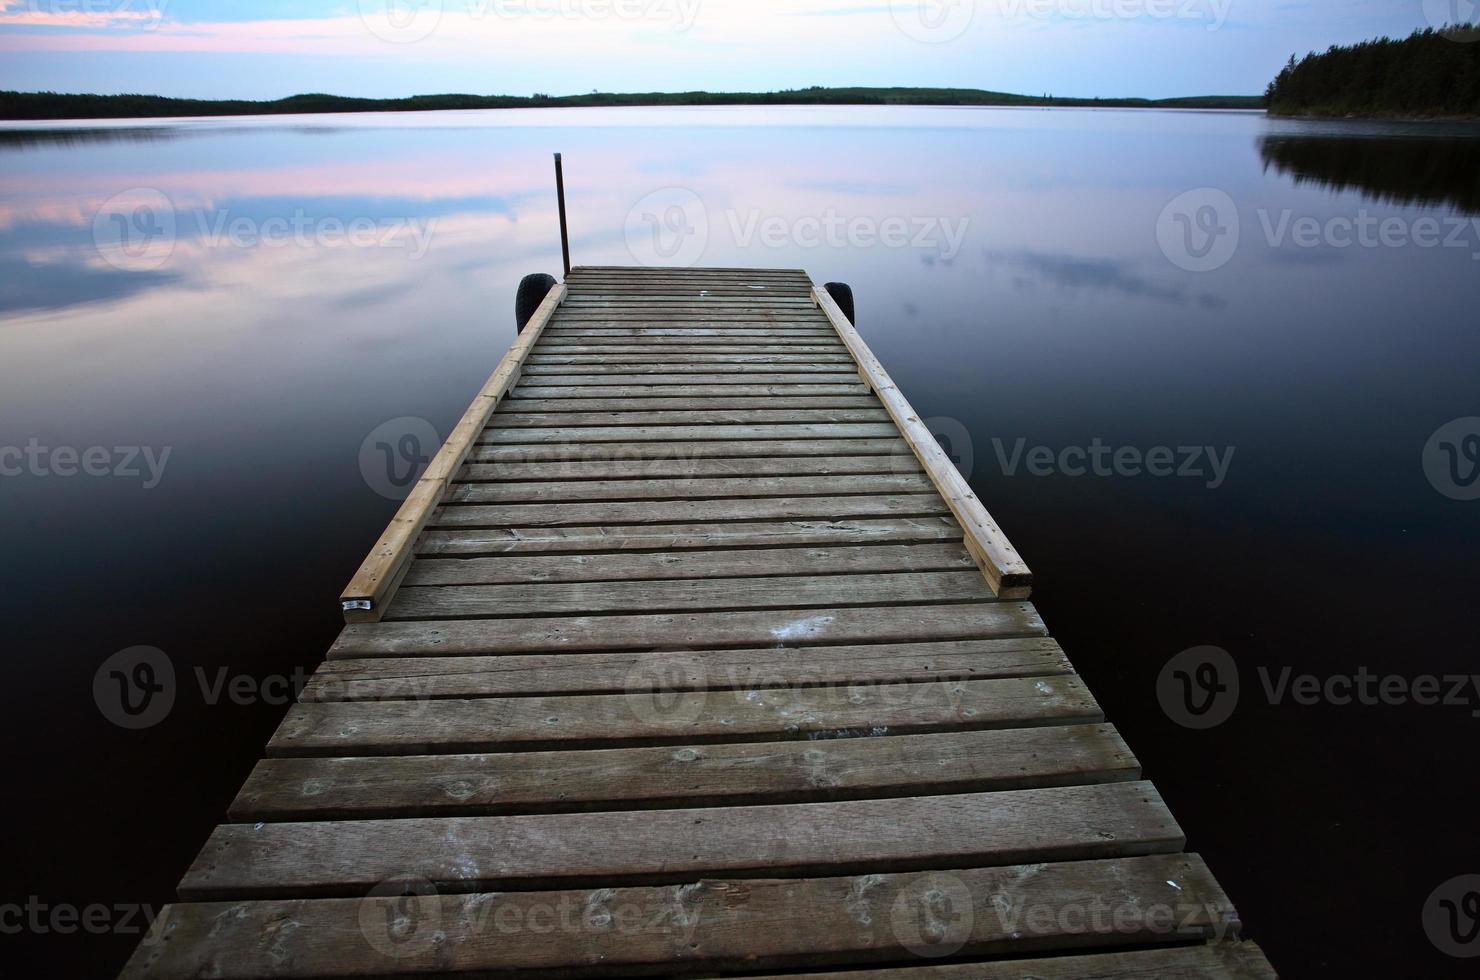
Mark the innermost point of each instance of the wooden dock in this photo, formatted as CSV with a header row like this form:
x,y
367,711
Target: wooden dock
x,y
692,654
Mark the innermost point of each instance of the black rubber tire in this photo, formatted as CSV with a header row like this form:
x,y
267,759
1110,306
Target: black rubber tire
x,y
842,294
532,291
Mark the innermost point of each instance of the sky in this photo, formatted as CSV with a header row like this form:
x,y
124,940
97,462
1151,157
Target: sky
x,y
266,49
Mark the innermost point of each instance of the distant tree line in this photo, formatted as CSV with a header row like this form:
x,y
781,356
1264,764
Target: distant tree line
x,y
1431,73
53,105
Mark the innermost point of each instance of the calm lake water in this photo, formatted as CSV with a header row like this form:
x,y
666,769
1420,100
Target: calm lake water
x,y
252,297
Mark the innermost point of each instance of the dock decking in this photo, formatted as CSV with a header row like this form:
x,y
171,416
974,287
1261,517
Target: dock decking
x,y
691,653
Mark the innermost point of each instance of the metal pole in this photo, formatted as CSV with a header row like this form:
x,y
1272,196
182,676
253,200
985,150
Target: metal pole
x,y
560,194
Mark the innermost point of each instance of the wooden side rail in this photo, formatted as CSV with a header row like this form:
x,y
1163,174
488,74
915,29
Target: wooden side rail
x,y
999,561
371,589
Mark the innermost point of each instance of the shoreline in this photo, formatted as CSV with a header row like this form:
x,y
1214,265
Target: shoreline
x,y
58,107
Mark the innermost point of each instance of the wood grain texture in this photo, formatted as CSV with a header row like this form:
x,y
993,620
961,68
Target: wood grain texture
x,y
727,774
470,854
669,537
853,386
711,403
668,595
515,675
651,713
778,375
689,565
694,416
747,468
689,631
1211,961
688,511
716,925
708,449
688,489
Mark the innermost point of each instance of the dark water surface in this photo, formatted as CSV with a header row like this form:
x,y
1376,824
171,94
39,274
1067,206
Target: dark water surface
x,y
1062,279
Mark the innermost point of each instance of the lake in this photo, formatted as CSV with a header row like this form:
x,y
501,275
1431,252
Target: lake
x,y
1215,375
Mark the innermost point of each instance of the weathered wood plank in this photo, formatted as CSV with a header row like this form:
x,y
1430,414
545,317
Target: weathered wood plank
x,y
659,351
687,489
667,595
894,450
685,433
669,537
716,925
688,297
1210,961
697,344
687,511
740,297
693,630
469,854
514,675
780,392
737,416
812,375
656,715
686,469
744,774
711,403
809,364
656,359
571,327
730,563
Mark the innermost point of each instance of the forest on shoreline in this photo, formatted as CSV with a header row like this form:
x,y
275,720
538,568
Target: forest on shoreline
x,y
53,105
1430,74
